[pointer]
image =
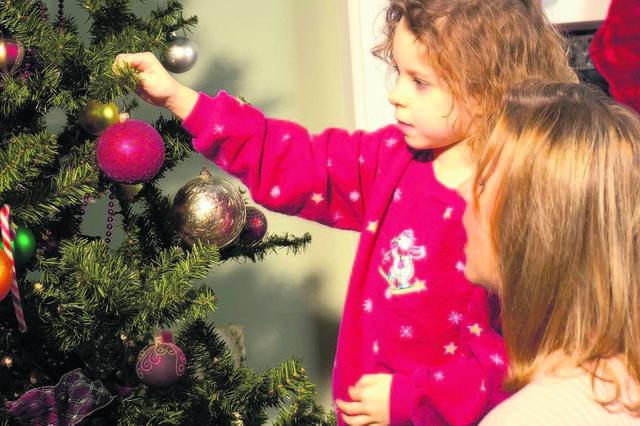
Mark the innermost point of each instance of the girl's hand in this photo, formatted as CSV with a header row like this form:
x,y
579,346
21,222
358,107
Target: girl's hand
x,y
157,86
370,401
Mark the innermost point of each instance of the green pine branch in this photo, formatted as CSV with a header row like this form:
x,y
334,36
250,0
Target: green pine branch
x,y
24,159
32,202
271,243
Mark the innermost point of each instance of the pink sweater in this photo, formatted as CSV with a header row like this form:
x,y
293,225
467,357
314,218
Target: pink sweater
x,y
409,310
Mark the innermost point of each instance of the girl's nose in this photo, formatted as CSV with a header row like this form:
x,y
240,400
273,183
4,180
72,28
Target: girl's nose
x,y
395,95
465,189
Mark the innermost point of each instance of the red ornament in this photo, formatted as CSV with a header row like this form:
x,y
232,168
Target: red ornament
x,y
6,274
130,152
161,365
255,226
11,55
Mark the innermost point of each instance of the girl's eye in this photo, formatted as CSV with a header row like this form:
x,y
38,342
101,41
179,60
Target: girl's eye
x,y
420,84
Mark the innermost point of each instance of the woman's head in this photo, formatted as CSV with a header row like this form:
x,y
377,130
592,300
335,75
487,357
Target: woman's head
x,y
480,47
564,160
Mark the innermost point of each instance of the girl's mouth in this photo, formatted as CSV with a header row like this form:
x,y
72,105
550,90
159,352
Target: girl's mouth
x,y
403,127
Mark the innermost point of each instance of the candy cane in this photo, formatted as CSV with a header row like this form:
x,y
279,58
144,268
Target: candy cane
x,y
6,243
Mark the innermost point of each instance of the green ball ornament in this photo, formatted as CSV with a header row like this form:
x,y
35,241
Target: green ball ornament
x,y
96,117
24,246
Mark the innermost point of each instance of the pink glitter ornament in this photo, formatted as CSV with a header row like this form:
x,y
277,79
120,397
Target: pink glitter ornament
x,y
130,152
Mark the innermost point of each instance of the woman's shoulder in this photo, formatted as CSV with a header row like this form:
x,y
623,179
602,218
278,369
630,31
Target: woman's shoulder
x,y
553,400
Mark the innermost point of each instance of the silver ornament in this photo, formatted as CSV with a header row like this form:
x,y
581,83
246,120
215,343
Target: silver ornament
x,y
209,209
181,56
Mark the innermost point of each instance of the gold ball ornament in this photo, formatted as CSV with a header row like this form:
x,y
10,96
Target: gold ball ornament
x,y
96,117
208,209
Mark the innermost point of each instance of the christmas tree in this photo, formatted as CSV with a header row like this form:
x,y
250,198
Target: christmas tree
x,y
111,329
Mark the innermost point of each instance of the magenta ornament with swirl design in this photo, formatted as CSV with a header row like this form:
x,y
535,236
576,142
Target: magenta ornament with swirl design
x,y
161,365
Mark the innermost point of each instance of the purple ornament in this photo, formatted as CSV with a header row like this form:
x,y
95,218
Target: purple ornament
x,y
161,365
255,226
130,152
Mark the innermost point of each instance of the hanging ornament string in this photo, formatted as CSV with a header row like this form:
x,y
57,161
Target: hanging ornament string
x,y
28,54
6,243
60,15
112,213
83,210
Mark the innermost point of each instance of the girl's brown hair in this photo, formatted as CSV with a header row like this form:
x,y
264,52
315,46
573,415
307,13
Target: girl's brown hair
x,y
566,228
481,47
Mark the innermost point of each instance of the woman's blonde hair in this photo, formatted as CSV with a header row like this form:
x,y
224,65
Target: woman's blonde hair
x,y
481,47
566,228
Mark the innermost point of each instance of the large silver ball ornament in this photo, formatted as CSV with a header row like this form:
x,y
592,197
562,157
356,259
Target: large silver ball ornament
x,y
181,56
208,209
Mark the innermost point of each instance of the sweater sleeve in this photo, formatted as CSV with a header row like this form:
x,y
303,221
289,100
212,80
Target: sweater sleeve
x,y
463,392
326,178
615,51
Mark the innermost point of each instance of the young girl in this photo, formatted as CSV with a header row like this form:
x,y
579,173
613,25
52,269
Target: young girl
x,y
416,340
553,226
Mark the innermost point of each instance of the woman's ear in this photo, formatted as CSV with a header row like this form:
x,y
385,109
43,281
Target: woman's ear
x,y
475,111
475,107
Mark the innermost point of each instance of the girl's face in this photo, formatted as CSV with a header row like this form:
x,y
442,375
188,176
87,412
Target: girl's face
x,y
482,259
424,105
